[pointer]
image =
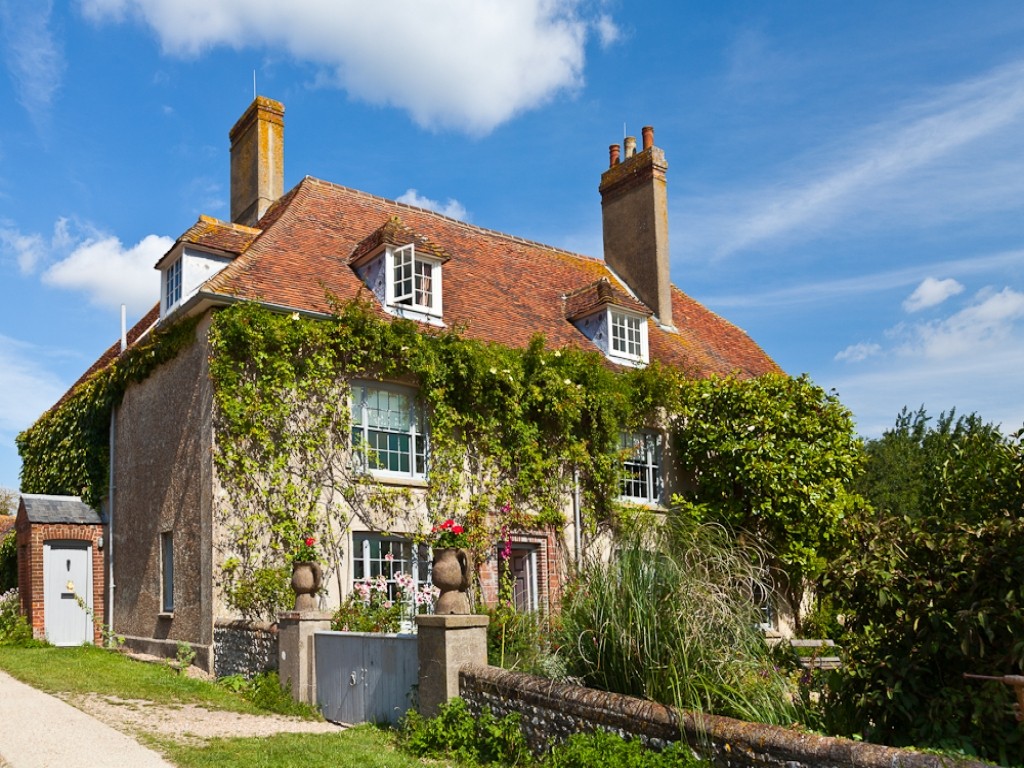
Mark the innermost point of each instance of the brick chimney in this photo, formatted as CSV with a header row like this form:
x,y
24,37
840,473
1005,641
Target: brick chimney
x,y
634,207
257,160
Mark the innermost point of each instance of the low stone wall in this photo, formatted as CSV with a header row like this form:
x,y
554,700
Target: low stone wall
x,y
244,648
553,711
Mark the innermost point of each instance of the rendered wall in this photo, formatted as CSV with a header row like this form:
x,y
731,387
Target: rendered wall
x,y
163,475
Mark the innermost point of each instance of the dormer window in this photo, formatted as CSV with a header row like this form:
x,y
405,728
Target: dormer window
x,y
403,270
629,335
415,281
183,271
615,322
172,285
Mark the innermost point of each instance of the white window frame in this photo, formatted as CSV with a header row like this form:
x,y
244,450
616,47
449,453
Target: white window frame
x,y
422,270
173,284
627,330
643,470
167,572
407,557
363,432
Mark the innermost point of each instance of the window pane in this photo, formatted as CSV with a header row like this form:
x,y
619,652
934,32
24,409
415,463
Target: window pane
x,y
641,469
385,430
424,273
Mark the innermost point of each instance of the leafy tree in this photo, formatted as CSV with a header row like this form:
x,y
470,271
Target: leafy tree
x,y
772,457
8,549
931,585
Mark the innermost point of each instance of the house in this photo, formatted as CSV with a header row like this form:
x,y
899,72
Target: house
x,y
292,252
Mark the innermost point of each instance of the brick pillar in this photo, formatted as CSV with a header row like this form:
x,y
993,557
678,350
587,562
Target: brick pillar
x,y
446,643
296,658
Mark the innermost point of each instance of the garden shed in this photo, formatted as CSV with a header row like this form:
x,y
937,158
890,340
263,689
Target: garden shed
x,y
60,568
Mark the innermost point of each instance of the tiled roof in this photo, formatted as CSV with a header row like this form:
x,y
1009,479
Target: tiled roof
x,y
216,235
394,232
596,295
497,287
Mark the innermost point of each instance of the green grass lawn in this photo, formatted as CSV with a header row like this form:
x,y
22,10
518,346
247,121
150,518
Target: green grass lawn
x,y
362,747
93,670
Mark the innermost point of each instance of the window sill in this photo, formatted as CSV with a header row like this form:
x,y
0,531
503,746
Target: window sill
x,y
403,480
164,615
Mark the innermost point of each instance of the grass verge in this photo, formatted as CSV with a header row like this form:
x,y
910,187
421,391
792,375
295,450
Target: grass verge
x,y
362,747
85,670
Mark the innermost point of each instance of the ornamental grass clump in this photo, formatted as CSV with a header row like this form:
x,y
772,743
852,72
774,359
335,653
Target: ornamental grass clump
x,y
672,618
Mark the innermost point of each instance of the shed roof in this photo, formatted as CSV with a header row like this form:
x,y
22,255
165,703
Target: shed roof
x,y
40,508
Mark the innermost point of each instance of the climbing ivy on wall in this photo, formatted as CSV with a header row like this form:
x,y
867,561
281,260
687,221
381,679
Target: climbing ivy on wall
x,y
510,433
67,450
509,429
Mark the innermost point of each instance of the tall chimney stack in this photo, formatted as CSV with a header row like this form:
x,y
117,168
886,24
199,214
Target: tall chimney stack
x,y
634,207
257,160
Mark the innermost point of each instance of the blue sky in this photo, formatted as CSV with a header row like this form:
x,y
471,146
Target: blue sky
x,y
846,180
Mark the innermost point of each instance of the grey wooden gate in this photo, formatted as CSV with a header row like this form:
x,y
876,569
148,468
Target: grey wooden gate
x,y
365,677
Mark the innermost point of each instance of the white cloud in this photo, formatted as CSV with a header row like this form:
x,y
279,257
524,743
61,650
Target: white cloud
x,y
931,292
946,157
827,291
26,388
856,353
33,57
986,324
110,274
27,250
450,207
608,31
464,64
970,360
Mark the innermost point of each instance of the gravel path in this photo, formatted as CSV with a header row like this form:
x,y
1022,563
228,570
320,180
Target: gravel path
x,y
188,723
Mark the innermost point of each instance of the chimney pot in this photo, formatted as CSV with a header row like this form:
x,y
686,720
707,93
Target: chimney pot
x,y
630,146
648,136
613,155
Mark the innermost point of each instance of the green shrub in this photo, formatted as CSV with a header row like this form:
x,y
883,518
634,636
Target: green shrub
x,y
265,691
14,630
260,592
930,582
606,750
8,562
673,618
456,734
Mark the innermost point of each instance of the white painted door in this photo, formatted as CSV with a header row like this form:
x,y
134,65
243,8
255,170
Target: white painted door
x,y
67,573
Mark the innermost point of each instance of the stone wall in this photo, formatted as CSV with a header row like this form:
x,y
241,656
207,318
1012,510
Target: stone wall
x,y
553,711
244,648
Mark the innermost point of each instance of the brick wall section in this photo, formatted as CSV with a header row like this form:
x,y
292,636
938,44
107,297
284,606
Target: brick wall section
x,y
244,648
549,569
30,540
553,711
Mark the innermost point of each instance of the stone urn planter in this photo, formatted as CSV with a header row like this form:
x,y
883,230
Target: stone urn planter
x,y
452,572
306,581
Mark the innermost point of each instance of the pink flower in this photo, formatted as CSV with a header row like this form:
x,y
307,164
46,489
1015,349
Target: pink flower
x,y
457,529
389,557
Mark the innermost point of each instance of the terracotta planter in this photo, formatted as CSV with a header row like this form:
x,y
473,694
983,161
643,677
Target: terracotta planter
x,y
452,573
306,581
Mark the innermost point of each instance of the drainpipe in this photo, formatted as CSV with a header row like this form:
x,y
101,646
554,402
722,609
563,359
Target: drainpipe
x,y
110,521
